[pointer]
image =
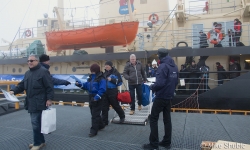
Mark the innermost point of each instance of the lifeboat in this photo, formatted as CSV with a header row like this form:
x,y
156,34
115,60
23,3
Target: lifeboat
x,y
101,36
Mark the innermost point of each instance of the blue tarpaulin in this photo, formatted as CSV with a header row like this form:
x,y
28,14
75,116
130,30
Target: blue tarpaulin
x,y
68,77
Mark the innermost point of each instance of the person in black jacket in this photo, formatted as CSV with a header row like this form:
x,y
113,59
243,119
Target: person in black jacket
x,y
38,85
96,87
233,67
193,77
44,61
203,40
222,75
164,88
113,79
148,68
238,66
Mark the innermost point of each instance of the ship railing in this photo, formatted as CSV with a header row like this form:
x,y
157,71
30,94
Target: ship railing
x,y
77,23
198,7
204,82
21,51
169,38
142,18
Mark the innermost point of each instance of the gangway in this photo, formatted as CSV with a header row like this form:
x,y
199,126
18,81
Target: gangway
x,y
139,117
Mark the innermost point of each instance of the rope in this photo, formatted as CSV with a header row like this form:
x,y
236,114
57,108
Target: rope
x,y
94,8
89,5
20,24
5,6
124,34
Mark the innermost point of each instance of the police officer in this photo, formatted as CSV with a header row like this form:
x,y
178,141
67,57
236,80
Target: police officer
x,y
96,86
164,87
113,79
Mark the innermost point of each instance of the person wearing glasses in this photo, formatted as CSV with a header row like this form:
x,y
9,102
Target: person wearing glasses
x,y
44,61
38,85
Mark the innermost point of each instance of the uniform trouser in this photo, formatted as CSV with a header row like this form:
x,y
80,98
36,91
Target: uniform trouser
x,y
36,125
138,88
95,110
111,99
160,105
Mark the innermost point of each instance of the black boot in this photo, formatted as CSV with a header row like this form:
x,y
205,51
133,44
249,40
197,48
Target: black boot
x,y
149,147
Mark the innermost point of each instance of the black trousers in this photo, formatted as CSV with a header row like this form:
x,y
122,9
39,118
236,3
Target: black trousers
x,y
138,88
95,110
237,36
160,105
111,99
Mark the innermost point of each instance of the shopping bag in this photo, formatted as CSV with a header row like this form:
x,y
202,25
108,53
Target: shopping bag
x,y
124,97
48,121
145,94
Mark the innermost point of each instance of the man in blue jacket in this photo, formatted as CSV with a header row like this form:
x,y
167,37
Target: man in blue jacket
x,y
44,61
96,87
166,82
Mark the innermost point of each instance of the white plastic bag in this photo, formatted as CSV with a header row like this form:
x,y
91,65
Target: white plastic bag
x,y
182,82
48,121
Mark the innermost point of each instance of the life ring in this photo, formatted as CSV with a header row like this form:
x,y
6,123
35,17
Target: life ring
x,y
27,33
153,18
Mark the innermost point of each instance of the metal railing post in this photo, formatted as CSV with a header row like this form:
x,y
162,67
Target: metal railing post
x,y
248,36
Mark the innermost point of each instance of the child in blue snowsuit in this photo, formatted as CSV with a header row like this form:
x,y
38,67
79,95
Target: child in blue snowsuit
x,y
96,87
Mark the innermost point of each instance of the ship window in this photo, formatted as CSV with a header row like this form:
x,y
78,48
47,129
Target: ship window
x,y
39,23
143,1
54,24
45,22
109,49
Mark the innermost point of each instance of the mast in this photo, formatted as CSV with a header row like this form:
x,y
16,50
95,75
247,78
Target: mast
x,y
60,5
131,17
60,14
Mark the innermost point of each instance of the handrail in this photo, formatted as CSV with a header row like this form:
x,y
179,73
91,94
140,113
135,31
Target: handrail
x,y
167,18
187,110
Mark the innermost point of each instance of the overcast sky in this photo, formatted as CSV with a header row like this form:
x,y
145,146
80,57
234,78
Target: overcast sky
x,y
12,13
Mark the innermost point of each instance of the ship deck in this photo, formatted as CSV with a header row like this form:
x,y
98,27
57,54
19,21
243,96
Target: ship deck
x,y
73,123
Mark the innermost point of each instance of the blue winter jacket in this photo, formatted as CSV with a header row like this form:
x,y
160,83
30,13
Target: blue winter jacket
x,y
96,85
166,79
55,80
115,76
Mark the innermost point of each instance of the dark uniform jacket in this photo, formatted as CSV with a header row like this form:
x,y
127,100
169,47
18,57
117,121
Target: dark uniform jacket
x,y
166,79
134,75
38,85
55,80
115,76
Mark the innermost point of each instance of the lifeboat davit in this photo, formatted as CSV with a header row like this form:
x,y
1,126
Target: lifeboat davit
x,y
100,36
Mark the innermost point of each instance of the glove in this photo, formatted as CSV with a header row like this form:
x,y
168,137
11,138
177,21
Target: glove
x,y
97,97
67,83
151,87
78,84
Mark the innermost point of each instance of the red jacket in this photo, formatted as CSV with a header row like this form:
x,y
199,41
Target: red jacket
x,y
237,26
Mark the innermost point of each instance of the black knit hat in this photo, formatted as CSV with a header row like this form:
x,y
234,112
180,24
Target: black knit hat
x,y
109,63
95,68
162,52
44,58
